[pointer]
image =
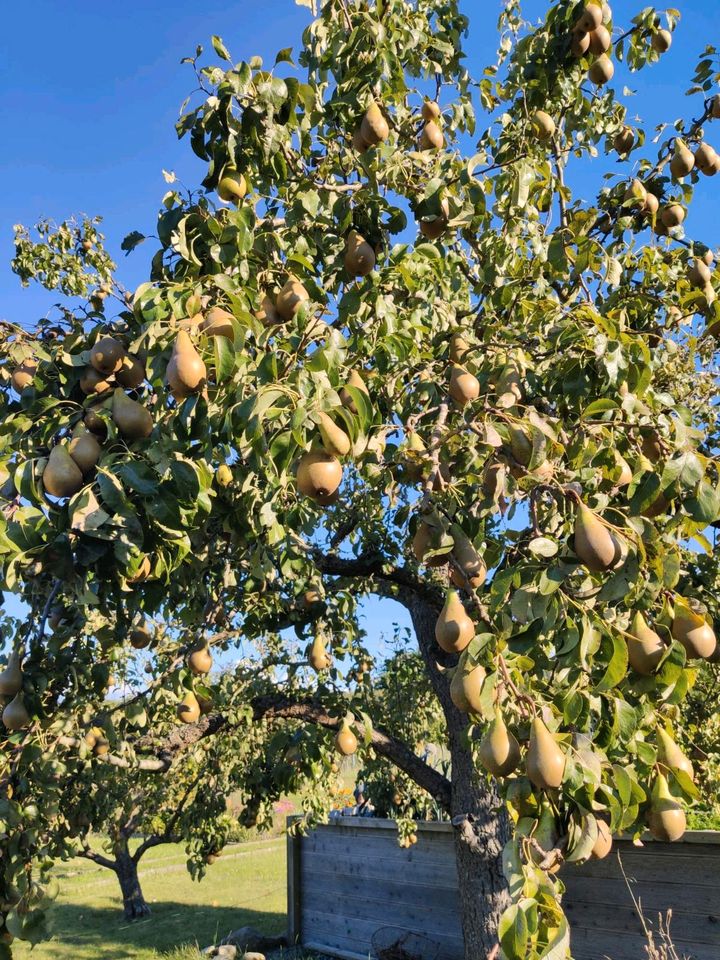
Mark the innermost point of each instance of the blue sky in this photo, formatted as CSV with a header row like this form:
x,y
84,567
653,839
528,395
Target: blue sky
x,y
89,94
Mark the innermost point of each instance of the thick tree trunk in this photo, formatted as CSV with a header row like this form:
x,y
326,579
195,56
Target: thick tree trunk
x,y
134,904
482,825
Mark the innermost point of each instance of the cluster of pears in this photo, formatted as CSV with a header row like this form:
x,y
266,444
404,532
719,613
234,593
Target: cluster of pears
x,y
318,655
14,714
689,628
700,275
192,706
285,306
590,36
372,129
684,161
431,136
665,815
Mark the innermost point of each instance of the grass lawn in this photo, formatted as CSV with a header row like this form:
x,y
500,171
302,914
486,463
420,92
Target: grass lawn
x,y
245,886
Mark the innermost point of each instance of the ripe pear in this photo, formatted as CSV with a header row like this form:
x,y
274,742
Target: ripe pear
x,y
232,186
335,441
427,537
85,451
692,630
318,656
683,161
359,256
545,761
603,844
457,694
467,557
626,473
590,18
543,126
15,716
661,41
434,229
672,215
706,159
224,475
358,140
580,43
699,273
292,296
132,372
431,137
345,740
430,110
624,140
268,313
471,682
319,474
602,71
464,387
200,661
671,756
141,636
458,347
11,677
651,206
186,372
61,477
600,40
374,128
93,382
645,647
594,544
666,817
499,751
23,375
218,323
454,629
131,418
188,710
354,380
107,355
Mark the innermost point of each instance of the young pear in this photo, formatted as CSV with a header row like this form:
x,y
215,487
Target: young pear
x,y
15,715
464,387
345,740
645,647
200,660
335,441
319,474
454,629
603,844
624,140
61,477
671,756
666,817
356,381
232,186
467,558
661,41
359,258
545,761
706,160
107,355
594,544
579,43
188,710
430,110
471,682
692,630
699,273
435,228
374,128
499,751
431,137
292,296
672,215
186,372
131,418
459,347
457,693
85,451
11,678
318,656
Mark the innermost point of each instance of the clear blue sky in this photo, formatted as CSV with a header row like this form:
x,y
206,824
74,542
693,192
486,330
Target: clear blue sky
x,y
89,93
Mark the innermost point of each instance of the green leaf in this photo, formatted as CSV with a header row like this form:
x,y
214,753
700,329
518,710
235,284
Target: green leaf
x,y
220,48
618,664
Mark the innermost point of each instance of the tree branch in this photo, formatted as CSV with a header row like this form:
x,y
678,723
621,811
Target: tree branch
x,y
89,854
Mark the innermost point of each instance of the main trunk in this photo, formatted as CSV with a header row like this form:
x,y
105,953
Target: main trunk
x,y
134,904
482,824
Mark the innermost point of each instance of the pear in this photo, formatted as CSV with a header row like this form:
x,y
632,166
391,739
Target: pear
x,y
218,323
141,636
520,446
200,661
454,629
590,18
430,110
292,296
471,683
358,140
107,355
671,756
661,41
600,40
602,71
268,313
672,215
15,716
319,474
699,273
706,159
499,751
431,137
434,229
636,193
345,740
85,451
545,761
467,557
427,537
143,571
318,655
93,382
603,844
645,647
683,161
594,545
61,477
188,710
626,473
374,127
580,43
543,126
224,475
354,380
714,107
232,186
359,256
23,375
651,206
693,631
131,374
335,441
458,347
464,387
11,677
186,372
624,140
666,817
457,693
131,418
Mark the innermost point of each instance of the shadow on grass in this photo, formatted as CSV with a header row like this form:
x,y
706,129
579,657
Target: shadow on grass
x,y
103,933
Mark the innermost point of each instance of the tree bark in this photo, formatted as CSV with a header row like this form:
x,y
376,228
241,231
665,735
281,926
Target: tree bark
x,y
479,816
134,904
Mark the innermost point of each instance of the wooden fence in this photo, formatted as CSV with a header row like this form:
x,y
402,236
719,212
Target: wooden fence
x,y
349,878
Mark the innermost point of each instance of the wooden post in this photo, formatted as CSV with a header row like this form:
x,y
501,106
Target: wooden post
x,y
294,893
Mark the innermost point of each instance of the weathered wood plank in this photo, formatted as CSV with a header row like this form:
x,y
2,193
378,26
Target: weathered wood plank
x,y
437,874
294,888
439,913
676,895
358,931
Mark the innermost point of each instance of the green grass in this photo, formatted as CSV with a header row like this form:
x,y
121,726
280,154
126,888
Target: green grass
x,y
246,886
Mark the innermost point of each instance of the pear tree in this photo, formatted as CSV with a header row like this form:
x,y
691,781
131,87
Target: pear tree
x,y
385,349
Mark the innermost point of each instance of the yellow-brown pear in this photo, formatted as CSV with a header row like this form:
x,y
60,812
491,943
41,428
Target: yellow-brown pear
x,y
23,375
188,710
593,542
85,451
200,660
545,761
602,71
603,844
666,817
15,715
268,313
543,125
356,381
141,636
454,629
131,418
499,751
430,110
645,647
345,740
359,258
471,682
11,677
335,441
431,137
107,355
132,372
671,756
292,296
661,41
319,474
374,128
467,558
590,18
186,371
61,477
683,161
232,186
318,656
218,323
693,631
464,387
